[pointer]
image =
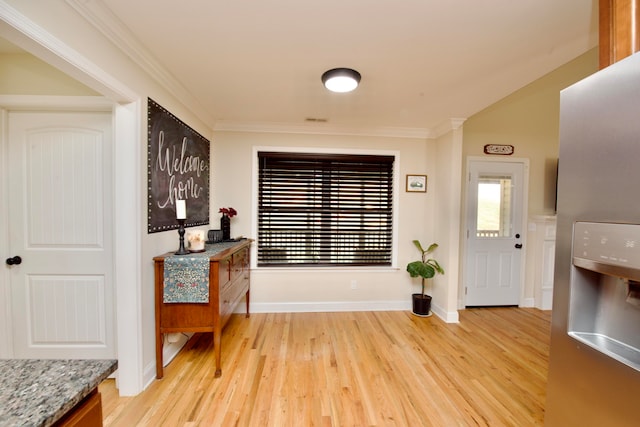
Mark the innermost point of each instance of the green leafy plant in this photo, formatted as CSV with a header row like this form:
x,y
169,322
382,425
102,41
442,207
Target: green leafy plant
x,y
426,267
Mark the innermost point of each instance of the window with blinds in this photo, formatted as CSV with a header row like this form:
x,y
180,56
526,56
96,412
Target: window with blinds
x,y
324,209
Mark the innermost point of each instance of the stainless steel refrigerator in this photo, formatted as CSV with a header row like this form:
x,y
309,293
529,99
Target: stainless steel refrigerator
x,y
594,370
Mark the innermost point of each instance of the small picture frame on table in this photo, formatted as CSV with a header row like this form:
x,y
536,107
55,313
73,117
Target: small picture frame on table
x,y
416,183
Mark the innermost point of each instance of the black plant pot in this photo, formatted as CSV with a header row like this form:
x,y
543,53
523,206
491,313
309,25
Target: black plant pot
x,y
421,305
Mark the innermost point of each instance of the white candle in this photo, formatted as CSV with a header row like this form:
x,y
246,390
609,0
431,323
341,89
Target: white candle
x,y
196,240
181,209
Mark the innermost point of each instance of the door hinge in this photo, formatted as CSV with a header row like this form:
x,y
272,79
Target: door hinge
x,y
465,290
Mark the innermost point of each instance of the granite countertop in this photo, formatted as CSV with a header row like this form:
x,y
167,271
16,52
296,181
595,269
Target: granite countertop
x,y
36,393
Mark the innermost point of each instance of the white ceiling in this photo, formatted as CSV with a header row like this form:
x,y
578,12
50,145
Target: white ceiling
x,y
423,62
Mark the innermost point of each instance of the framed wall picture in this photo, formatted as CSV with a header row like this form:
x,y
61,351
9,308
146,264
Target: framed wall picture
x,y
178,169
417,183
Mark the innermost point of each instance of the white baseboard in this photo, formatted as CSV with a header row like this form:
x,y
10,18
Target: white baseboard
x,y
547,299
447,316
528,302
329,306
169,351
315,307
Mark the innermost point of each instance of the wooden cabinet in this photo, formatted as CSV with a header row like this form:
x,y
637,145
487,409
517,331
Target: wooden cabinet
x,y
87,413
229,281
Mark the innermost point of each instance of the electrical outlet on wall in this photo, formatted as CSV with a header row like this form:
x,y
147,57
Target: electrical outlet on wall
x,y
354,284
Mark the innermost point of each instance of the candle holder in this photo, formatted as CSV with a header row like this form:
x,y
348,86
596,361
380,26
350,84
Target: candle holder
x,y
181,250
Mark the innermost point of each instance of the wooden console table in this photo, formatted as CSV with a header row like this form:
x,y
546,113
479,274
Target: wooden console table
x,y
229,280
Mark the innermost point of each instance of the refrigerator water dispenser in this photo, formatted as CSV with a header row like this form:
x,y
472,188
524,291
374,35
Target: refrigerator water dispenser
x,y
604,288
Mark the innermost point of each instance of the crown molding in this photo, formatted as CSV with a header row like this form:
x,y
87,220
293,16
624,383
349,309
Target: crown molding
x,y
447,126
323,129
101,18
443,128
28,35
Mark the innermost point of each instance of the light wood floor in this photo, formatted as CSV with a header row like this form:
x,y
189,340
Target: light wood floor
x,y
353,369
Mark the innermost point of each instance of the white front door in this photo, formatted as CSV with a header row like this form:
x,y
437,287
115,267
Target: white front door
x,y
60,196
493,260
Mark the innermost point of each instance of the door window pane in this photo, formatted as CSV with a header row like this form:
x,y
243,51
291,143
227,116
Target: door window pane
x,y
494,206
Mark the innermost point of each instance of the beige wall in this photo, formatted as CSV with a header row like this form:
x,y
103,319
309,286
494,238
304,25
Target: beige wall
x,y
24,74
529,120
233,163
448,226
108,71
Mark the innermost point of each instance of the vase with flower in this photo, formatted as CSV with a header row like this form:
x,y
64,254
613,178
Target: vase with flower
x,y
225,222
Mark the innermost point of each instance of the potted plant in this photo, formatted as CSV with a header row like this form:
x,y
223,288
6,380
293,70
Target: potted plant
x,y
425,268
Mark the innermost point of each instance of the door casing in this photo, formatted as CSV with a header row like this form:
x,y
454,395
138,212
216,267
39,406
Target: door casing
x,y
60,205
466,226
129,124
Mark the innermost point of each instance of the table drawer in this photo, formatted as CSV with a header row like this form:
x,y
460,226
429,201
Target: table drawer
x,y
230,295
224,271
239,263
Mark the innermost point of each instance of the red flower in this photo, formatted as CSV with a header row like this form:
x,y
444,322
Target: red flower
x,y
230,212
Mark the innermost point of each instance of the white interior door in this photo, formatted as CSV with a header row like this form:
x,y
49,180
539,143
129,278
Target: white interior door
x,y
60,195
495,197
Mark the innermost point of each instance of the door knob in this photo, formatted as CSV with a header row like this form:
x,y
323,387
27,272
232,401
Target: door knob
x,y
518,245
14,260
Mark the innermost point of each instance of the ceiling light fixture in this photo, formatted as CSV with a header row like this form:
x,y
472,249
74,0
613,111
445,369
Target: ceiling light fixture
x,y
341,79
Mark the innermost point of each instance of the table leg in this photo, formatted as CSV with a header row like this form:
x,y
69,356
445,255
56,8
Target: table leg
x,y
217,340
159,362
247,299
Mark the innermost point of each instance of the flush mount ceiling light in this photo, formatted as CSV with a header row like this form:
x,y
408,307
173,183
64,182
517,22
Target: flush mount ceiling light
x,y
341,79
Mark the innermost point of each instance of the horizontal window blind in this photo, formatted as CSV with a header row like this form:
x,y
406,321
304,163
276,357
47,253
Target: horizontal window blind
x,y
324,209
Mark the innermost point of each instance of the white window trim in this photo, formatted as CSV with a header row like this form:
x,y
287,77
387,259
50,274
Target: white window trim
x,y
254,202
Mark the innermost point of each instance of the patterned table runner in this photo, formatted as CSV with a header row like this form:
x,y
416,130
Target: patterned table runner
x,y
186,277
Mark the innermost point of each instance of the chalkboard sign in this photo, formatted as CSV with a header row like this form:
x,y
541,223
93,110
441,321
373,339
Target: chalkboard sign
x,y
178,168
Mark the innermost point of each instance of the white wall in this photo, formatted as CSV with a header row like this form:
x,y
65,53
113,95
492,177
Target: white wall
x,y
56,33
333,289
448,189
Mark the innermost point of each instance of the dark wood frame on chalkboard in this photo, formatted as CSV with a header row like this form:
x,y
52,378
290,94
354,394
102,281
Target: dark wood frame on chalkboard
x,y
178,168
